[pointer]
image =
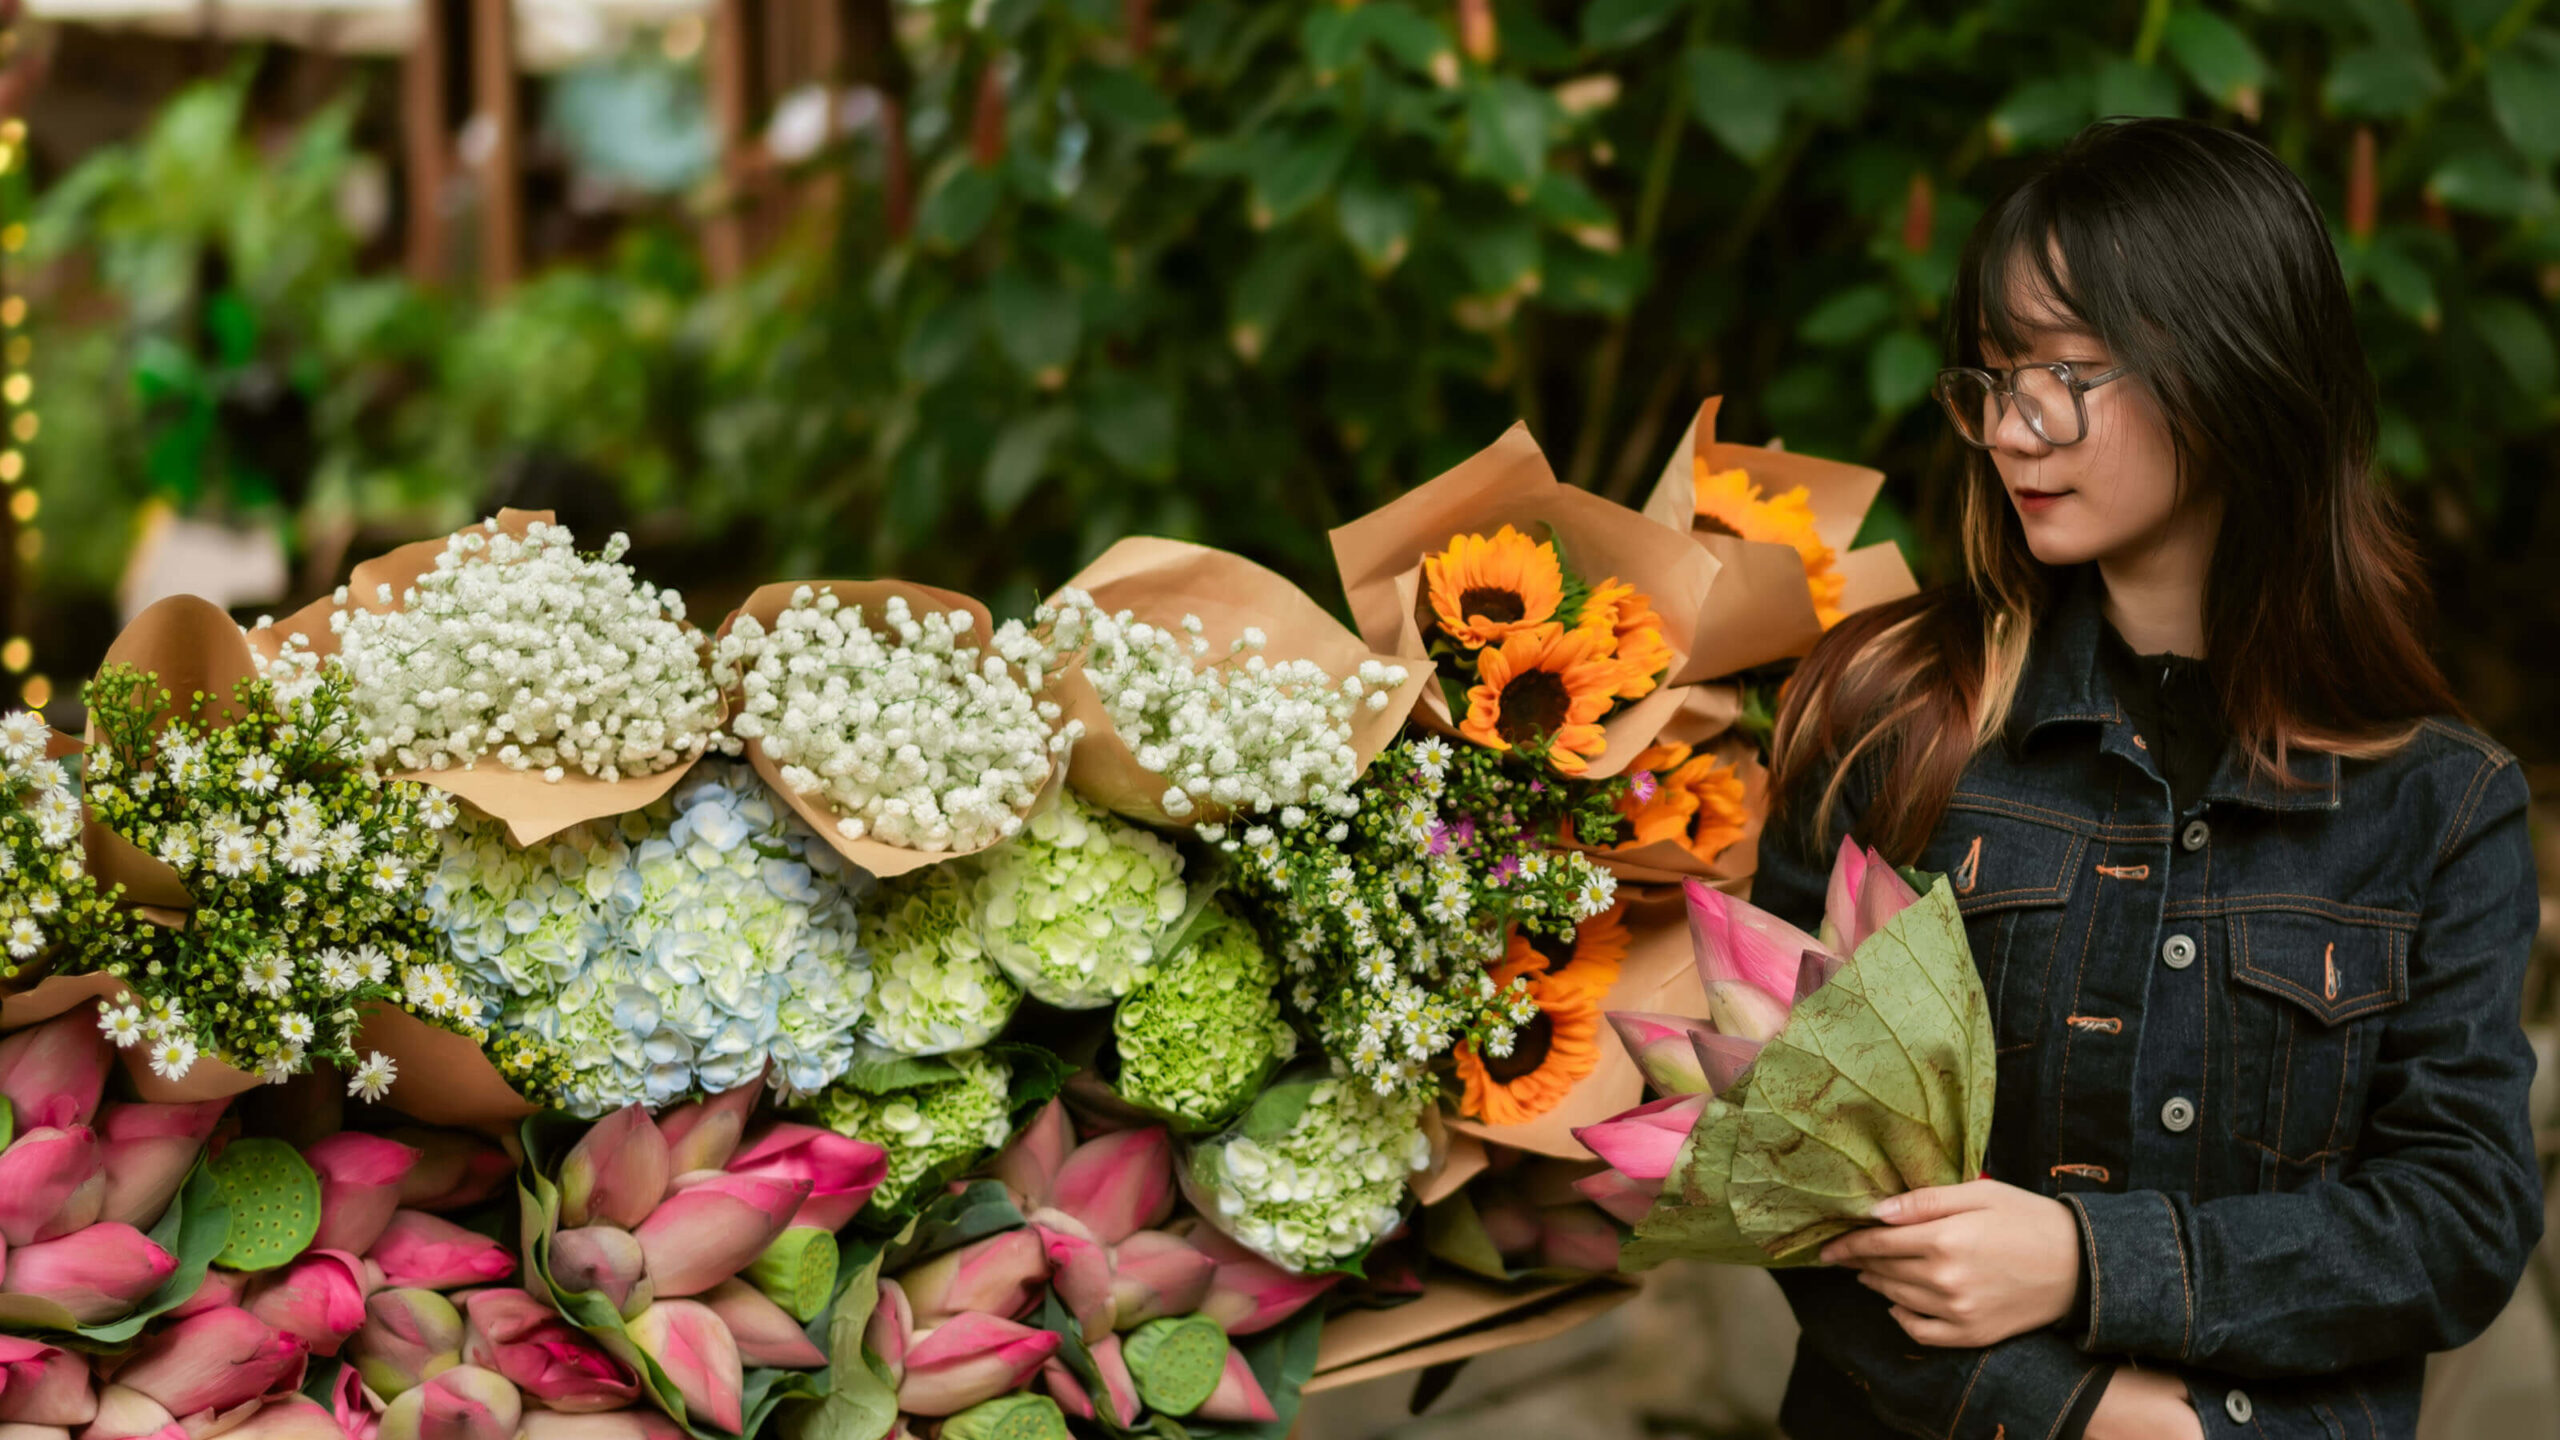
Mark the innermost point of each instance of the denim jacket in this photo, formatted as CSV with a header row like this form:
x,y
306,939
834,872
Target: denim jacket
x,y
2267,1050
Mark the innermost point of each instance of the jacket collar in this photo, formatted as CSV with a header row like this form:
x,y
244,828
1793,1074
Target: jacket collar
x,y
2066,683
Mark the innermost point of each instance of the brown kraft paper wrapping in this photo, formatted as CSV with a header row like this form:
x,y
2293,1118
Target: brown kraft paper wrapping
x,y
207,1079
1509,483
1455,1318
531,807
880,858
1760,610
1161,581
1660,976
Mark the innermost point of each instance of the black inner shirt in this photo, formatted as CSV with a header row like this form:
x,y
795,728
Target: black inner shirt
x,y
2171,701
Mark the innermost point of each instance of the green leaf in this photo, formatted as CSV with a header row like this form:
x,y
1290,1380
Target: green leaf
x,y
860,1404
1265,293
1499,250
1880,1082
1376,216
1508,126
1737,99
1296,169
958,208
1020,458
1037,323
1417,42
2524,93
1900,369
1332,37
978,1210
939,339
2380,83
1133,422
2486,180
1615,24
2215,54
1848,317
2041,112
2517,336
2402,282
1574,278
878,1071
2127,88
1122,97
1564,201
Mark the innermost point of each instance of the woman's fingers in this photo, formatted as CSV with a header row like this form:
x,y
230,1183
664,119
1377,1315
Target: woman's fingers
x,y
1906,1294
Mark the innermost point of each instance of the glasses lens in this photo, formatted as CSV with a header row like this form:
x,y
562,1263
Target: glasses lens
x,y
2047,402
1970,403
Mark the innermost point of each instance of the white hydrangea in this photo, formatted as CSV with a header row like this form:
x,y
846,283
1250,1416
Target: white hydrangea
x,y
915,733
1079,907
1238,736
1328,1188
530,653
937,988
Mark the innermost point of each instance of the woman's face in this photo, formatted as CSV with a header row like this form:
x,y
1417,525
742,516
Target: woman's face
x,y
2113,496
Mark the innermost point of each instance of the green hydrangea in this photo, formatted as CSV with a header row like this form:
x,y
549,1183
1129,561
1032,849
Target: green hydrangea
x,y
1198,1037
1079,906
1325,1181
935,988
927,1129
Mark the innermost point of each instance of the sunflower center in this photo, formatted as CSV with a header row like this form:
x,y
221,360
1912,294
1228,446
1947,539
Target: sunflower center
x,y
1528,1051
1497,605
1533,704
1716,525
1557,948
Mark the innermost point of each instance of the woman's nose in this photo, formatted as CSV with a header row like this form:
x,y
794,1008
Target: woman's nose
x,y
2011,432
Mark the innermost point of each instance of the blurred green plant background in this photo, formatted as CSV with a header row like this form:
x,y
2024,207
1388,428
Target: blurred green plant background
x,y
1238,271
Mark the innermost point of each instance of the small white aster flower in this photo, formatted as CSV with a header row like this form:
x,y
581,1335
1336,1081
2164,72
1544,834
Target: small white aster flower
x,y
122,1024
173,1057
373,1076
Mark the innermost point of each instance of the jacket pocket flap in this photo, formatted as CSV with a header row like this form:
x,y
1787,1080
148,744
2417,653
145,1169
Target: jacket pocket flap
x,y
1997,859
2335,968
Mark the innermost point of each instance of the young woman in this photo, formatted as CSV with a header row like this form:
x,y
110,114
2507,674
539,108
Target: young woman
x,y
2250,904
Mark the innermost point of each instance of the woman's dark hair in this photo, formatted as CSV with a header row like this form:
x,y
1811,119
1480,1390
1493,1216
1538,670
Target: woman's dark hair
x,y
2206,268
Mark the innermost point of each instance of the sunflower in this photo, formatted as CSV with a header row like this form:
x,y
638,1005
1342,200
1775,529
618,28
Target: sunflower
x,y
1729,504
1546,686
1549,1056
1697,800
1483,590
1625,615
1589,961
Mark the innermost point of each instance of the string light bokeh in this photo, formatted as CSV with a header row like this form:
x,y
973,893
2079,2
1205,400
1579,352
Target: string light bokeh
x,y
17,397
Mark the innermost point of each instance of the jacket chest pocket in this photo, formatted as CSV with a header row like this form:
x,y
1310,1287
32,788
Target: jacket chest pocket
x,y
2013,878
2308,995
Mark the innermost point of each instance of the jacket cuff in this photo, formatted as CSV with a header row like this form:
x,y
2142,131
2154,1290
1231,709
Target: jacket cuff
x,y
2019,1387
2133,1253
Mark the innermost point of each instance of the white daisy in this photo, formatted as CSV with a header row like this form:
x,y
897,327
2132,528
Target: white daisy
x,y
300,852
122,1024
295,1027
22,736
257,773
172,1058
376,965
372,1079
24,938
270,974
338,970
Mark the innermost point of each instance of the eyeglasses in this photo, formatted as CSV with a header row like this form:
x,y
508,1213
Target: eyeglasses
x,y
2049,396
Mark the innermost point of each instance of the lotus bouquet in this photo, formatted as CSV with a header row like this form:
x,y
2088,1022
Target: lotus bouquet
x,y
1874,1039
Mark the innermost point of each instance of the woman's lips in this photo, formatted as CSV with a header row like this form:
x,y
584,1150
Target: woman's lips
x,y
2031,502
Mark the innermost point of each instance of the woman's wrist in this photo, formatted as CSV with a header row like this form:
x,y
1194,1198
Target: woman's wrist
x,y
2145,1405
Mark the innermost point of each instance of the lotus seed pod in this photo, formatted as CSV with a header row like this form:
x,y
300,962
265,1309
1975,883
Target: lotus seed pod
x,y
1014,1417
797,1271
274,1199
1177,1362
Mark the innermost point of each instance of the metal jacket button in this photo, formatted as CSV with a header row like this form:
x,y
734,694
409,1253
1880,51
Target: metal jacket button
x,y
2179,952
2194,836
2178,1114
2237,1406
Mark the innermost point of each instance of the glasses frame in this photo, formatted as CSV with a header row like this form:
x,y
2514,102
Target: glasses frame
x,y
2004,391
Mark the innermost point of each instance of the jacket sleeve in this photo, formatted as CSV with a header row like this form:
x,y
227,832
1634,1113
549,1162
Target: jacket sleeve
x,y
2419,1245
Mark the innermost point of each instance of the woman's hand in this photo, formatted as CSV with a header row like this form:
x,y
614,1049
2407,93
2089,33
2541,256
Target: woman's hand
x,y
1968,1265
2145,1405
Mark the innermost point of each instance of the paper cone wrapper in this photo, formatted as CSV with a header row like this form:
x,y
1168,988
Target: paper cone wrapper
x,y
1760,609
1660,975
1456,1317
880,858
1668,862
1509,483
440,1078
531,807
1160,581
1455,1160
207,1079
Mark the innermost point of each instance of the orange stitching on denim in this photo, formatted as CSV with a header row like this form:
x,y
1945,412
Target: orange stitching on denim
x,y
2138,745
2102,1024
1971,869
2098,1173
2079,977
2069,1403
1966,1398
2471,798
2329,971
2372,1427
2125,872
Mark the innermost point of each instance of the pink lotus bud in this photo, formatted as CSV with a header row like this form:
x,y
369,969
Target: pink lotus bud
x,y
97,1274
1629,1201
700,1356
1746,1012
80,1210
294,1417
42,1174
214,1361
463,1403
1577,1237
970,1358
1510,1222
999,1275
44,1385
454,1169
704,1134
606,1261
1249,1294
1644,1143
1154,1275
892,1329
1238,1397
841,1171
1119,1184
550,1360
147,1151
765,1332
1865,894
12,1430
611,1425
1118,1385
353,1407
1029,1166
408,1335
1724,1058
218,1289
1079,1270
1738,943
360,1179
125,1413
1662,1048
318,1298
710,1228
617,1172
53,1073
1061,1385
427,1252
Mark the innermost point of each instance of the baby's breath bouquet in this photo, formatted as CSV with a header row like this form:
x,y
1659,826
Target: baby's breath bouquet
x,y
306,870
47,895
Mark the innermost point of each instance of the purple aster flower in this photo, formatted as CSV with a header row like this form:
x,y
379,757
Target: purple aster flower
x,y
1439,838
1507,870
1463,834
1643,786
